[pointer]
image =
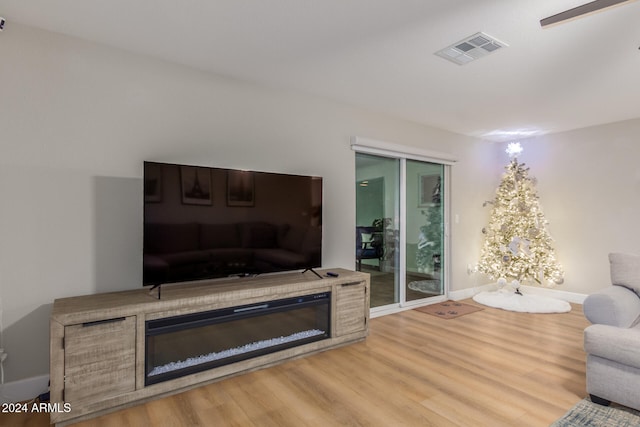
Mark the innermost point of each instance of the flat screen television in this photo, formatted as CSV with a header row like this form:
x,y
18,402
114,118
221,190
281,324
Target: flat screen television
x,y
204,223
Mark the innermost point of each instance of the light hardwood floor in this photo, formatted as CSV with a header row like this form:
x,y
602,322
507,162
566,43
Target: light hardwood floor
x,y
489,368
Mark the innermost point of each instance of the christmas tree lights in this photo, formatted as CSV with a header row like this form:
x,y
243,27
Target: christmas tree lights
x,y
517,244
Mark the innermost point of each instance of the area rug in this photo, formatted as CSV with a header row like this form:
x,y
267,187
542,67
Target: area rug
x,y
449,309
586,413
526,303
426,286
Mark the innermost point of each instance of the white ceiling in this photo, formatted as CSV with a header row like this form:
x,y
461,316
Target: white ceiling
x,y
379,54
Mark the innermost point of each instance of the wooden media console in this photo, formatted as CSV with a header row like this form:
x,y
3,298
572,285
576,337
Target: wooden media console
x,y
100,343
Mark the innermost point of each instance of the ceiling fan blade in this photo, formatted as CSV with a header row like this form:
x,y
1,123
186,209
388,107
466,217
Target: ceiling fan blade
x,y
591,7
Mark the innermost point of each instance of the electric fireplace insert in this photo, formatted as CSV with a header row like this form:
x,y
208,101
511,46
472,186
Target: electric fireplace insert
x,y
186,344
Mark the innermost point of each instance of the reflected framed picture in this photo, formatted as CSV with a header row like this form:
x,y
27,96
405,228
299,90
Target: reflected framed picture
x,y
195,185
430,189
240,188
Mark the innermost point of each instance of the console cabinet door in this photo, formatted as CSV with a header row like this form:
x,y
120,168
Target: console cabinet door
x,y
99,359
351,308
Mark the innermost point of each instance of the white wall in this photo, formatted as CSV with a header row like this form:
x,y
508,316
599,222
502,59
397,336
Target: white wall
x,y
78,119
589,189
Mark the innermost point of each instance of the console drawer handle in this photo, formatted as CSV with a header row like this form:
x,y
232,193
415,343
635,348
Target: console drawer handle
x,y
351,283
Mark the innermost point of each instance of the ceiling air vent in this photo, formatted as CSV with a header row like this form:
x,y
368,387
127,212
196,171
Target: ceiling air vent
x,y
471,48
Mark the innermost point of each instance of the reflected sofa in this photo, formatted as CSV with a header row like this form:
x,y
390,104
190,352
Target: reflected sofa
x,y
175,252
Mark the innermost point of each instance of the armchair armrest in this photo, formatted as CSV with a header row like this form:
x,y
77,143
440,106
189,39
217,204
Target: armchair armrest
x,y
621,345
614,305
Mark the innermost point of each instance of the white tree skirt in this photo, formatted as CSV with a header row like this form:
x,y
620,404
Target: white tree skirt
x,y
522,303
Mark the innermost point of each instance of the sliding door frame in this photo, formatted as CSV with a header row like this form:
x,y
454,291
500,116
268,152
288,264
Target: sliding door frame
x,y
403,153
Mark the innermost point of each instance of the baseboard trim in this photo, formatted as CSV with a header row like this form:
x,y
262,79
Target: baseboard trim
x,y
470,292
22,390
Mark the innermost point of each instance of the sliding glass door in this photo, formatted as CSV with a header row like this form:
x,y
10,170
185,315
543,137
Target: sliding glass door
x,y
424,241
400,229
377,225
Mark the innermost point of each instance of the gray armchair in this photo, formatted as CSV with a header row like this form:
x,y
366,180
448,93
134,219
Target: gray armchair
x,y
612,342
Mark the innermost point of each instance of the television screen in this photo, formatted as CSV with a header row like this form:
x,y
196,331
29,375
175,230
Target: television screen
x,y
203,223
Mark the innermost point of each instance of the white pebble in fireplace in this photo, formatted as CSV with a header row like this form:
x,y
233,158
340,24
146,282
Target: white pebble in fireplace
x,y
248,348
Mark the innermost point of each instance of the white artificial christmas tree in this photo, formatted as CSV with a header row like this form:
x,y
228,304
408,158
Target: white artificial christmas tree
x,y
518,248
517,243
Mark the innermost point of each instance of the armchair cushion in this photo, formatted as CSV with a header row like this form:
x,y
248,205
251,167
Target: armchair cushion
x,y
625,271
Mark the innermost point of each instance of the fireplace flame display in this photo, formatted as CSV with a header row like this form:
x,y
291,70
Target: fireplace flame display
x,y
182,345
